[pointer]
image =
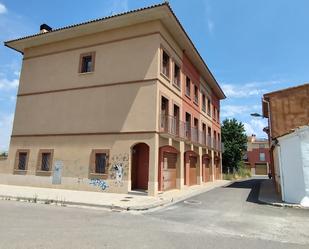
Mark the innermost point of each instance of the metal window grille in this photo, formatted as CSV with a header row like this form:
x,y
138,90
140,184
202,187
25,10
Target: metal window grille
x,y
45,164
100,163
22,158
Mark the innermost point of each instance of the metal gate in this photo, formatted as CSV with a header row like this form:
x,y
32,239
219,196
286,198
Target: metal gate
x,y
261,169
169,170
192,173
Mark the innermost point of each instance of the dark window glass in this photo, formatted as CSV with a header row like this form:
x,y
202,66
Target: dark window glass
x,y
22,159
188,86
86,64
100,163
45,164
177,75
166,64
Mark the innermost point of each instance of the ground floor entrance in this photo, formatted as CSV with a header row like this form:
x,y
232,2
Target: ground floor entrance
x,y
140,166
261,169
207,169
190,170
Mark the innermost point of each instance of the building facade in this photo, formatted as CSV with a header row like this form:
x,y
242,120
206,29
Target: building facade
x,y
257,157
286,111
120,103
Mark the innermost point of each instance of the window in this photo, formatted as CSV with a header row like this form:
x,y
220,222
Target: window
x,y
218,115
262,156
262,146
21,160
99,163
86,64
204,102
208,107
188,86
45,162
165,64
176,75
214,112
195,94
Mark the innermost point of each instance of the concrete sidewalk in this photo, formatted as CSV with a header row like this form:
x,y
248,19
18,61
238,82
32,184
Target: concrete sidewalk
x,y
268,195
131,201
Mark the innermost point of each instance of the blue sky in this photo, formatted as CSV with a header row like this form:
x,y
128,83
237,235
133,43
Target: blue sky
x,y
252,47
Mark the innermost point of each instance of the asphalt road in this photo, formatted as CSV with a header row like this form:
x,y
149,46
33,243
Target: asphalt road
x,y
223,218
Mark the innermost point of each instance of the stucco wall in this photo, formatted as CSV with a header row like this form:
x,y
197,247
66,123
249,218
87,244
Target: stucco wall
x,y
106,109
74,152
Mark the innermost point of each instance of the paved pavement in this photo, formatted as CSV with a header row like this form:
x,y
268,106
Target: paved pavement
x,y
132,201
226,217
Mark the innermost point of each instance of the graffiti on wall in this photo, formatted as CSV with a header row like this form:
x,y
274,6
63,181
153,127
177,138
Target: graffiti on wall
x,y
119,168
99,183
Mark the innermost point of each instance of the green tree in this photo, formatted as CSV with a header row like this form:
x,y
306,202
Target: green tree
x,y
235,143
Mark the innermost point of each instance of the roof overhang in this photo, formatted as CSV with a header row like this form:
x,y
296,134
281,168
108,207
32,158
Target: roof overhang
x,y
161,12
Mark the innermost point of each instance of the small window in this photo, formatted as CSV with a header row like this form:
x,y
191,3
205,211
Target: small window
x,y
87,63
99,163
196,94
45,163
262,156
21,161
165,64
188,86
208,107
176,75
204,103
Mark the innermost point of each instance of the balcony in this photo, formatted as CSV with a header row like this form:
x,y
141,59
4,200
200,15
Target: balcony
x,y
182,130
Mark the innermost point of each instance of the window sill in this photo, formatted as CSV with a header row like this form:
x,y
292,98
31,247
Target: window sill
x,y
176,86
86,73
20,172
196,103
43,173
98,176
165,77
187,96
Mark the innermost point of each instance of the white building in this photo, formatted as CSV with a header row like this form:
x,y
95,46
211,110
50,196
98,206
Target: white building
x,y
292,154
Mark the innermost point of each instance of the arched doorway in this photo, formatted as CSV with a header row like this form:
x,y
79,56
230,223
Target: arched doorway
x,y
191,167
168,160
140,166
206,168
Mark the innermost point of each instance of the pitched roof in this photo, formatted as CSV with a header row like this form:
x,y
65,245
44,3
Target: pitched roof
x,y
161,12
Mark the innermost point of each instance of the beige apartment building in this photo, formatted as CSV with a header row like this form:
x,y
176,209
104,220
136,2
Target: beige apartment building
x,y
115,104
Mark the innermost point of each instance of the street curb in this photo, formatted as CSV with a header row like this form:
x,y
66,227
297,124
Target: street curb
x,y
62,202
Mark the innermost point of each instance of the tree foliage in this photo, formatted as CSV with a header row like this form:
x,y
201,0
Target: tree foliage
x,y
235,143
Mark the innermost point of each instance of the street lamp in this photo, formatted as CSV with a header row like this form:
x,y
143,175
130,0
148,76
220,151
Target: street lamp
x,y
256,115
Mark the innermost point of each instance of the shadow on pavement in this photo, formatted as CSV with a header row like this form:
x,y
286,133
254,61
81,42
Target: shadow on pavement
x,y
253,184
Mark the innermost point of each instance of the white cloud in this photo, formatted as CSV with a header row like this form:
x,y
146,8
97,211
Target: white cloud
x,y
6,124
230,111
6,84
210,25
255,126
3,9
249,89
